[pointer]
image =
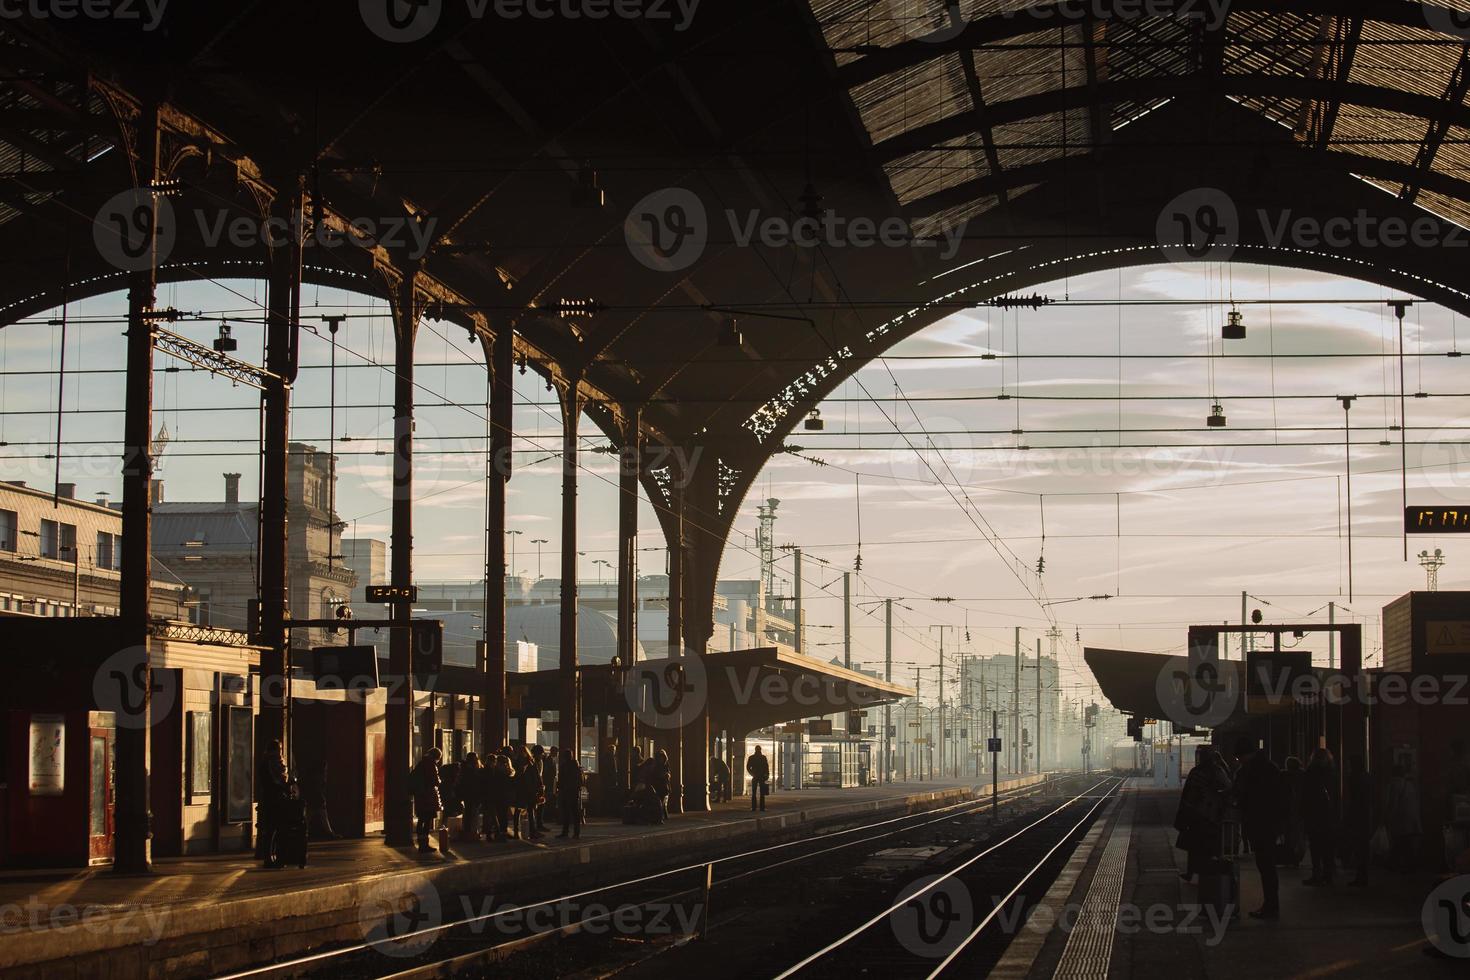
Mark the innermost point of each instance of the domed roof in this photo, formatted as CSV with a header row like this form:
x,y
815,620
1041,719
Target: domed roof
x,y
597,633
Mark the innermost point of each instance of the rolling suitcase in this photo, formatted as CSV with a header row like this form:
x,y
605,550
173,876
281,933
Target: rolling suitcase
x,y
291,837
1219,889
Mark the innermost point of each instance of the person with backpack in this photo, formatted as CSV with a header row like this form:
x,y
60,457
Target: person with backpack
x,y
758,767
424,782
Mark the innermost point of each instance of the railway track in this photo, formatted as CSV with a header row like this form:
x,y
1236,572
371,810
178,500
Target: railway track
x,y
627,921
956,921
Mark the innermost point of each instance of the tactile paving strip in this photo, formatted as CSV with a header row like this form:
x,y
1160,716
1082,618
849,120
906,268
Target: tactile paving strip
x,y
1089,948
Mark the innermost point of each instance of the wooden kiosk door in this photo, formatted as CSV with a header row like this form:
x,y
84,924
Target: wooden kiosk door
x,y
100,795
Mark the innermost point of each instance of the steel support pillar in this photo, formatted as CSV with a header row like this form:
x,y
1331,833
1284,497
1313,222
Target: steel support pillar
x,y
701,563
132,851
672,740
500,356
283,305
569,701
398,714
629,473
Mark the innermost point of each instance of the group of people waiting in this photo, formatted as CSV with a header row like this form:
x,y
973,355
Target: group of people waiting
x,y
495,795
505,795
1288,815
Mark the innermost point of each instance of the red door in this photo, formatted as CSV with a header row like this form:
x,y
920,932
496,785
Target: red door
x,y
100,802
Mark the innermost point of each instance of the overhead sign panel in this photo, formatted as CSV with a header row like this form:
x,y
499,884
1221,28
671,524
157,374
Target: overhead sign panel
x,y
1437,520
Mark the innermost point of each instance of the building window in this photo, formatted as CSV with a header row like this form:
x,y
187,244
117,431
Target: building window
x,y
7,530
104,555
58,540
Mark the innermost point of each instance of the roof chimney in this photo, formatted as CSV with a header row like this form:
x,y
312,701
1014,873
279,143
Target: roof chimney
x,y
232,488
155,491
67,491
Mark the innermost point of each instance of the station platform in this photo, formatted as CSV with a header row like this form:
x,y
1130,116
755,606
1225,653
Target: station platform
x,y
210,915
1120,910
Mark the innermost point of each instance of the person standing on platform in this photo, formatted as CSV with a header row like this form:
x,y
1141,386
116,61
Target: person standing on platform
x,y
661,782
720,776
499,785
472,793
425,784
569,794
529,795
272,790
609,781
758,768
1258,793
548,781
1294,824
1357,819
1319,812
1201,807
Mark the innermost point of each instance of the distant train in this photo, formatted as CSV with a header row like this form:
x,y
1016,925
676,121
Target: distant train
x,y
1129,758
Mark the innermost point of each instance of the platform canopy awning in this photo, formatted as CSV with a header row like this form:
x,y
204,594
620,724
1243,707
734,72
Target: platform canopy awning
x,y
741,690
1130,679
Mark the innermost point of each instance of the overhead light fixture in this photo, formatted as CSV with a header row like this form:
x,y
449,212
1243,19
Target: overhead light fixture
x,y
523,363
1234,328
814,421
730,333
1216,418
224,343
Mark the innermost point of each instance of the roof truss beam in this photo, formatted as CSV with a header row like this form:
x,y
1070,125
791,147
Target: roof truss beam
x,y
1454,94
1148,89
1036,18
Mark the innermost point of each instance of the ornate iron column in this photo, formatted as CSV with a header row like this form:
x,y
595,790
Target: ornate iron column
x,y
500,357
283,304
630,460
569,704
132,852
398,720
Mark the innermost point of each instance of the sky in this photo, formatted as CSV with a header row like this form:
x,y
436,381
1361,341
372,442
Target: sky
x,y
1132,499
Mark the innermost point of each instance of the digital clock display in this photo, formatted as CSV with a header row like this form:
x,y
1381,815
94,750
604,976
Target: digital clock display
x,y
1437,520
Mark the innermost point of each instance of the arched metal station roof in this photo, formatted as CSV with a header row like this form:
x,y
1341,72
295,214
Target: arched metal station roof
x,y
1049,137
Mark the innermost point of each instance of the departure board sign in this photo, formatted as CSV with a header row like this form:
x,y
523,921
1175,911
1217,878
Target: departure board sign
x,y
391,593
1437,520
